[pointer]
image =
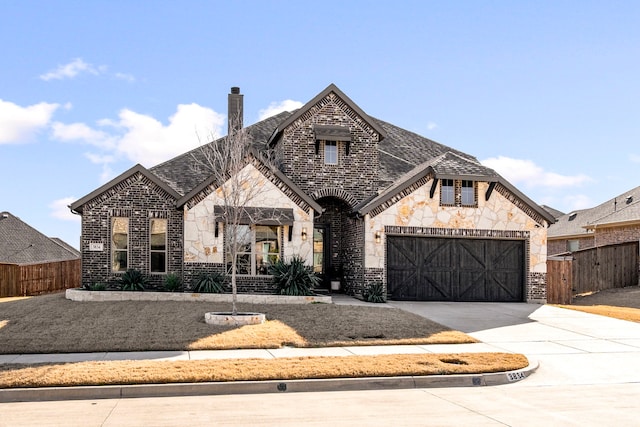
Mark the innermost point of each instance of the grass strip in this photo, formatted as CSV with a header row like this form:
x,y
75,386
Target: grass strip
x,y
164,372
622,313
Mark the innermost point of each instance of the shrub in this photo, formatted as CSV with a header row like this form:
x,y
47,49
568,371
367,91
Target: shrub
x,y
172,282
374,293
133,280
98,287
293,277
210,283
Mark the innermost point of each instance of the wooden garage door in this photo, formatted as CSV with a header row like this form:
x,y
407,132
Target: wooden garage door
x,y
453,269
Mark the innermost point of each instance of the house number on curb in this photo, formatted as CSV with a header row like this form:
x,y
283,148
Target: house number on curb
x,y
515,376
282,387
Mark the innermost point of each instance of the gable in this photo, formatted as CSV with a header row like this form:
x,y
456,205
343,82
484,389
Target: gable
x,y
330,101
273,181
136,175
453,166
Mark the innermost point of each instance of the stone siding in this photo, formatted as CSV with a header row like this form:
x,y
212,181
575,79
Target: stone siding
x,y
496,218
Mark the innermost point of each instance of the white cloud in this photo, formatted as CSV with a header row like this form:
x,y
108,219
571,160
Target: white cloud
x,y
82,132
578,201
634,158
526,172
126,77
278,107
141,138
72,69
60,209
431,125
19,124
148,141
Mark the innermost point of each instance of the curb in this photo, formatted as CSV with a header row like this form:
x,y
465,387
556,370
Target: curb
x,y
258,387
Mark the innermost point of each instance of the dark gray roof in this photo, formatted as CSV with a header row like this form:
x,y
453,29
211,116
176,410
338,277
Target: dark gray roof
x,y
185,172
66,246
622,209
22,244
402,150
555,212
402,154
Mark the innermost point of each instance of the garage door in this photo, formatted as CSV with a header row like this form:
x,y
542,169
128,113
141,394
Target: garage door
x,y
453,269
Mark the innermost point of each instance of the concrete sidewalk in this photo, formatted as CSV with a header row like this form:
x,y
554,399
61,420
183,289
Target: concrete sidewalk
x,y
246,354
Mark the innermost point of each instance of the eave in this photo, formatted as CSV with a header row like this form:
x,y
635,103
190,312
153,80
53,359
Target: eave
x,y
77,206
277,133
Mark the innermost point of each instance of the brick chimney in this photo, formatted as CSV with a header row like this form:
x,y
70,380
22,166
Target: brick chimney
x,y
234,118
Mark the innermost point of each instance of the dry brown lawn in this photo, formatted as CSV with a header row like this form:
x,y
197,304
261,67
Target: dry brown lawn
x,y
145,372
52,324
619,303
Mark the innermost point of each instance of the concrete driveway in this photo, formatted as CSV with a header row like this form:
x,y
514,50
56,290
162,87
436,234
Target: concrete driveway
x,y
572,347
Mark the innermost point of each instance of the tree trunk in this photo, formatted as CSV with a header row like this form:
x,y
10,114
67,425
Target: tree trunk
x,y
234,288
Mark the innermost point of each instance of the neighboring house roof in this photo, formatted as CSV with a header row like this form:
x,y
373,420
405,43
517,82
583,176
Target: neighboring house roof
x,y
66,246
555,212
621,210
22,244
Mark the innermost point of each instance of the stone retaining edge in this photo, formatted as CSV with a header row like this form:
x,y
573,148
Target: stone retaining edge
x,y
83,295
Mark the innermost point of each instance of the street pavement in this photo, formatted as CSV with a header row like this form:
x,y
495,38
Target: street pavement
x,y
588,375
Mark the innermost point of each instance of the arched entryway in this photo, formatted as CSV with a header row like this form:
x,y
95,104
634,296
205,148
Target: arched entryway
x,y
329,241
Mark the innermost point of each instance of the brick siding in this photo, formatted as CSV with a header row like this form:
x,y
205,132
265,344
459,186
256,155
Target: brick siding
x,y
140,200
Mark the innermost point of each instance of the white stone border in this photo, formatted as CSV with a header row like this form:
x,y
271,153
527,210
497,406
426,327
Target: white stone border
x,y
82,295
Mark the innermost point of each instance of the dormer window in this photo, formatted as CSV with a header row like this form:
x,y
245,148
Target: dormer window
x,y
467,194
331,152
331,138
458,192
447,193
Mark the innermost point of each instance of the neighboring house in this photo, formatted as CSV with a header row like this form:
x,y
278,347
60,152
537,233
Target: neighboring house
x,y
554,212
32,263
22,244
361,200
614,221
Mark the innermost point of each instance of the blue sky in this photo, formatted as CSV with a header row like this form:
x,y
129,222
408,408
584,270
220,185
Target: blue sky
x,y
545,92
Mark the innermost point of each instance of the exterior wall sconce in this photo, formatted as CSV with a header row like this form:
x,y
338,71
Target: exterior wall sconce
x,y
304,233
378,237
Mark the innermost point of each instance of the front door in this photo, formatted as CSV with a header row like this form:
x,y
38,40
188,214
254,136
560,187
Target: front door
x,y
320,253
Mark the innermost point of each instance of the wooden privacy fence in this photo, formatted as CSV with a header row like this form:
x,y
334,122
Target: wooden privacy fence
x,y
590,270
36,279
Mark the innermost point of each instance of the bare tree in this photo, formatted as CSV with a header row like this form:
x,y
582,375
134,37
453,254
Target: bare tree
x,y
237,191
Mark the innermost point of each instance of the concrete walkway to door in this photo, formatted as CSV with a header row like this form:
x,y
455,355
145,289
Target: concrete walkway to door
x,y
572,347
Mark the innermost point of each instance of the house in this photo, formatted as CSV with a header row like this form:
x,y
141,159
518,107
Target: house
x,y
361,200
32,263
615,221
